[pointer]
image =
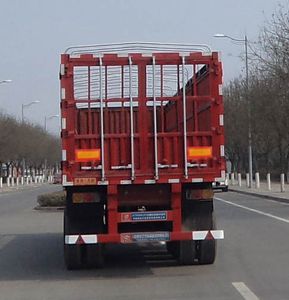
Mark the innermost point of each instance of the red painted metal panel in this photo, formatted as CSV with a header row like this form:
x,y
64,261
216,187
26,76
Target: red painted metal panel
x,y
120,238
80,106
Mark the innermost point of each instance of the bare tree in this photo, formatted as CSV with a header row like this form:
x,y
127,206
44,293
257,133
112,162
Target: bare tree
x,y
269,101
26,142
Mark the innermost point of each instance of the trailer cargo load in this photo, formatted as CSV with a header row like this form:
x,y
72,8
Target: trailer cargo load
x,y
142,143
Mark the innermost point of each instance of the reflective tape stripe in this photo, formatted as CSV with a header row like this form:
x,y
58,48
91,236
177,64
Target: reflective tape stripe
x,y
64,155
63,123
125,182
220,89
197,180
102,182
71,239
86,238
65,182
142,236
221,120
199,235
63,94
172,180
218,234
84,155
222,150
202,235
62,69
89,238
149,181
200,152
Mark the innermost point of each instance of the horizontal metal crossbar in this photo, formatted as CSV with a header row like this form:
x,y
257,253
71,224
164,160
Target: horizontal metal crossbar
x,y
138,237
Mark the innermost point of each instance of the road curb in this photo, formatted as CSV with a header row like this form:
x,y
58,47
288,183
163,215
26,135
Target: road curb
x,y
20,188
49,208
284,200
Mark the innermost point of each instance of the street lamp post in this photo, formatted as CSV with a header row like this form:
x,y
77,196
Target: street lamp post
x,y
245,41
49,118
25,106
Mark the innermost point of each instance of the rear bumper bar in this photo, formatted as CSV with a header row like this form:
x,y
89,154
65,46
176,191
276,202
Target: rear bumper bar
x,y
138,237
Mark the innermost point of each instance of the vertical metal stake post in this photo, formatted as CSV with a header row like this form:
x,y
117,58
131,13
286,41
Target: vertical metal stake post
x,y
101,120
184,117
131,120
155,121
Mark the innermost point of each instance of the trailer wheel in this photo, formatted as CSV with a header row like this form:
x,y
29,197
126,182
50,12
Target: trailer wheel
x,y
72,257
72,253
207,252
173,248
94,256
187,252
187,249
94,253
207,248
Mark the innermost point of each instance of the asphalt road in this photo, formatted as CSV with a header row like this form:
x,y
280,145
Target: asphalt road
x,y
252,262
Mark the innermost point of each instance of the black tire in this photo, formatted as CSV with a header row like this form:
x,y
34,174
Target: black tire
x,y
207,249
72,253
94,256
187,252
187,248
72,257
173,248
83,219
95,252
183,251
225,189
207,252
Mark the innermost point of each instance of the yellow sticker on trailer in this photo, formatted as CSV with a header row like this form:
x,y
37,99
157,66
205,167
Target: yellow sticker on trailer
x,y
200,152
85,155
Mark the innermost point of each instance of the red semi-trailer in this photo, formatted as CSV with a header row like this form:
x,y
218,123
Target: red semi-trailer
x,y
142,142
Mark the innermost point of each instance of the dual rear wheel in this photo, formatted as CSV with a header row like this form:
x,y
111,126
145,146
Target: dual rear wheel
x,y
191,252
77,256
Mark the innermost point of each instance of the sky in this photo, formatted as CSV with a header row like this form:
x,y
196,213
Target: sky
x,y
34,33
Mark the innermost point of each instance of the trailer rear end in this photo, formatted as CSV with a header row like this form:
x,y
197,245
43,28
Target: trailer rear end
x,y
142,143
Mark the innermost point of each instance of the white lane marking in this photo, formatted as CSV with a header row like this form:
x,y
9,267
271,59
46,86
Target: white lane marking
x,y
270,200
276,201
254,210
5,239
246,293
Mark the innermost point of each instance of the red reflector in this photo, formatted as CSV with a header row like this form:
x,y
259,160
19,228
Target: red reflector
x,y
80,240
209,236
